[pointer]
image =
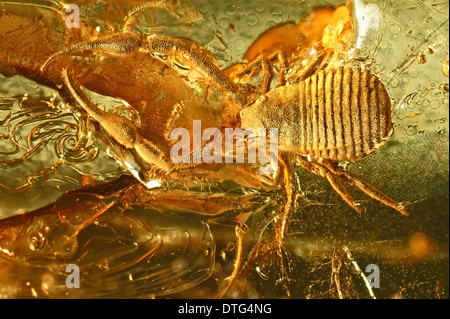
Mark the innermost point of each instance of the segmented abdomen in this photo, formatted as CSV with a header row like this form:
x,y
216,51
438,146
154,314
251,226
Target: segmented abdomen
x,y
337,114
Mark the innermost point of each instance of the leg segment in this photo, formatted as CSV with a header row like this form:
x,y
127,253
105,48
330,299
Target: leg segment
x,y
194,55
115,44
332,172
365,187
181,9
265,63
268,75
198,59
332,179
312,65
292,192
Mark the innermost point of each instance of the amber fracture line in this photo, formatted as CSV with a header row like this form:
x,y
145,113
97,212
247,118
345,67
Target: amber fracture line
x,y
65,130
7,119
81,136
92,218
34,176
16,150
27,154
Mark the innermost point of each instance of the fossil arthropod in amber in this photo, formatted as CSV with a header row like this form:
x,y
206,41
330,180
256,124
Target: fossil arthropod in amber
x,y
325,113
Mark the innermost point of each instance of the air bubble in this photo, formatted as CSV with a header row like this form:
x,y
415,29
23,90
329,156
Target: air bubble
x,y
277,10
435,93
252,19
231,9
277,18
440,129
389,52
413,72
394,83
270,25
384,45
240,44
203,8
395,29
206,25
411,130
443,137
435,105
225,23
260,6
444,88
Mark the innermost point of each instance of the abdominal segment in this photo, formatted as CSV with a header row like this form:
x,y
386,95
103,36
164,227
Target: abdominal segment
x,y
337,114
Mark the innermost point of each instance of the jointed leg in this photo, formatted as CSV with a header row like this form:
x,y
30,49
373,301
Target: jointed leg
x,y
370,190
115,44
282,62
312,65
265,63
181,9
268,75
332,172
198,58
191,53
292,192
332,179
